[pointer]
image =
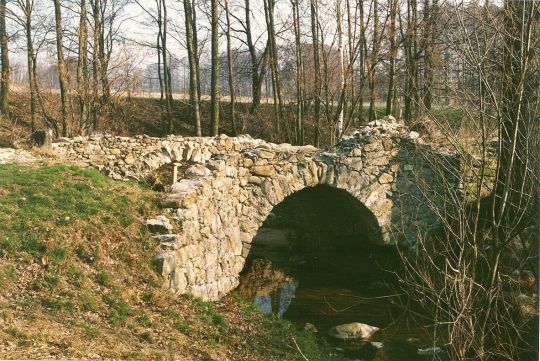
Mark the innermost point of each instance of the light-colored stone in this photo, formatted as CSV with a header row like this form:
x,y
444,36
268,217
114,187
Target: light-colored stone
x,y
263,170
197,171
429,351
386,178
160,224
266,154
352,331
254,180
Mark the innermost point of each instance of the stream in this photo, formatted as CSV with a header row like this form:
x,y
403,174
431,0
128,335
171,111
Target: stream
x,y
333,289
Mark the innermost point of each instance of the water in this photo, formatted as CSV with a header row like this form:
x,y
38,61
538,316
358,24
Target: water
x,y
339,289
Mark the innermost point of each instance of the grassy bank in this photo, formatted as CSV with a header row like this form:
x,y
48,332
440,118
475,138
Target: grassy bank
x,y
77,280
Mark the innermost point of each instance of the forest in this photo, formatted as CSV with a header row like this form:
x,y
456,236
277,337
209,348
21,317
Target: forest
x,y
304,72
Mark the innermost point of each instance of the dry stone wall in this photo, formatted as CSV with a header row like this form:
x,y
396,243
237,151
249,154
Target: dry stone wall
x,y
212,214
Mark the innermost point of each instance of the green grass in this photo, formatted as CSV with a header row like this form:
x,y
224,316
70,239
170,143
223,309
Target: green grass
x,y
53,216
119,309
8,274
89,301
181,325
104,278
36,205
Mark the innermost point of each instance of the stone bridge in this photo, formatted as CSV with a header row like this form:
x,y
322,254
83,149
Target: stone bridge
x,y
229,186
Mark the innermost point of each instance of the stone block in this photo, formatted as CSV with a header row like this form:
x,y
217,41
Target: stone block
x,y
386,178
263,170
165,263
160,224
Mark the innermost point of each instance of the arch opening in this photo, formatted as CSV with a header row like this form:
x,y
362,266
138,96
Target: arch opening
x,y
315,225
316,258
320,236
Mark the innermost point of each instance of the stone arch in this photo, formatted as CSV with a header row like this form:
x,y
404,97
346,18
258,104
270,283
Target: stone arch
x,y
268,187
219,207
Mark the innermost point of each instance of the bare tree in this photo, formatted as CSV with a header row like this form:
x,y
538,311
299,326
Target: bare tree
x,y
82,69
317,68
299,74
230,70
341,105
62,72
28,7
410,45
4,85
96,55
215,93
464,275
391,94
194,86
258,63
269,6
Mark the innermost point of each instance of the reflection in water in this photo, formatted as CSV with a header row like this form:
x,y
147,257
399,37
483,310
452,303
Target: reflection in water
x,y
327,297
277,301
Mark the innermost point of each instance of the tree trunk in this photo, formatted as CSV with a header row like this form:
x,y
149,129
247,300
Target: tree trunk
x,y
30,62
428,51
412,96
96,63
373,61
230,71
194,30
361,61
317,69
339,123
82,68
299,73
256,78
394,6
4,86
163,20
160,72
62,76
214,90
193,73
276,86
104,56
351,44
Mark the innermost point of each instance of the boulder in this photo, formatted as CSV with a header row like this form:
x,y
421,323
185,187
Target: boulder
x,y
352,331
